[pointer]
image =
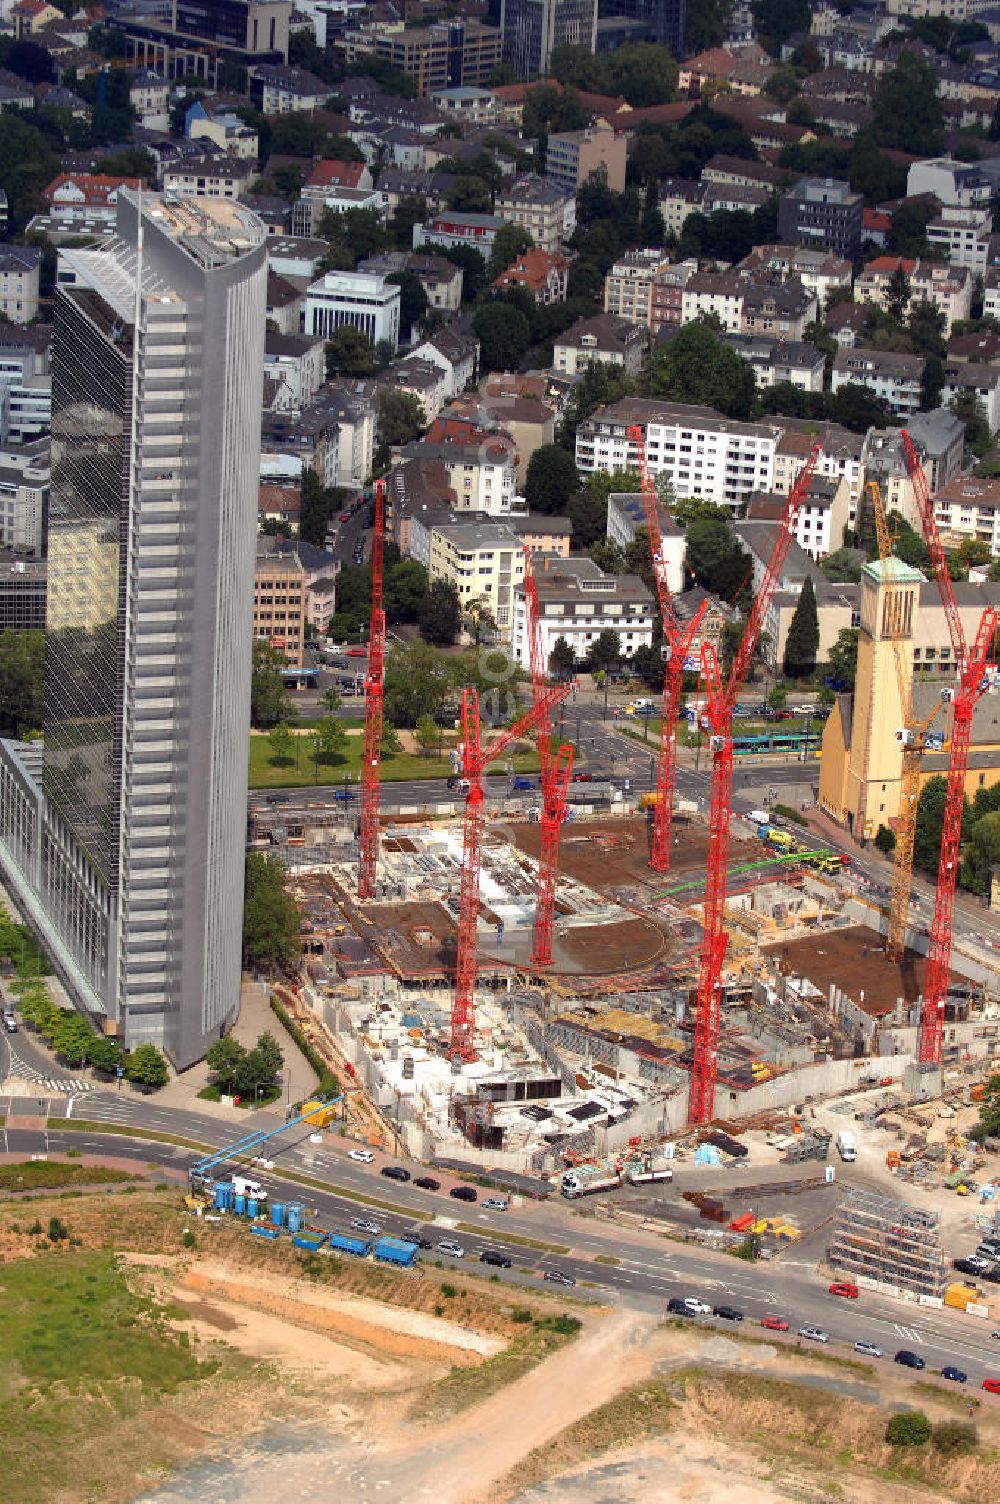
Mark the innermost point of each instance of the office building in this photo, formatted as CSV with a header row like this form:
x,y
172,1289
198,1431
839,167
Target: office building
x,y
202,38
821,212
125,850
362,300
279,600
22,594
530,29
446,55
660,21
571,158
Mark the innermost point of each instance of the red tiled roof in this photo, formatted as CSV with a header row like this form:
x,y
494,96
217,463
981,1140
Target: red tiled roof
x,y
97,188
891,264
532,269
871,219
328,173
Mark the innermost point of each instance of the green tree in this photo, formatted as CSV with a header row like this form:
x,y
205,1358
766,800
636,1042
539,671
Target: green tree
x,y
968,407
910,1428
413,303
411,210
715,557
147,1067
551,480
22,678
224,1057
562,659
270,917
441,615
401,417
981,853
954,1437
695,366
989,1110
605,652
428,735
777,19
842,664
908,227
885,840
318,505
510,242
925,327
705,25
908,112
930,822
390,743
504,336
802,642
271,1055
105,1053
330,740
282,744
349,352
856,407
267,688
897,295
843,566
73,1038
931,383
418,683
473,267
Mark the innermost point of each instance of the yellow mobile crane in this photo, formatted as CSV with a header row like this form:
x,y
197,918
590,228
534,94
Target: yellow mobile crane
x,y
913,735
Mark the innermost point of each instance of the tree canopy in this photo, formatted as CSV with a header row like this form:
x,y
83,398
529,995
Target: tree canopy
x,y
551,480
802,642
504,335
695,366
908,112
270,917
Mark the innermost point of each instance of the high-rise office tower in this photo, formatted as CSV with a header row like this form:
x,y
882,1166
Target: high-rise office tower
x,y
531,28
659,21
127,850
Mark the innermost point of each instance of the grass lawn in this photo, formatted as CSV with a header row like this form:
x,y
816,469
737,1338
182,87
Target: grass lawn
x,y
80,1351
399,767
47,1175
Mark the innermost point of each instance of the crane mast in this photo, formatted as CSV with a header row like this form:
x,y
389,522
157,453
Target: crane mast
x,y
371,758
474,762
555,776
975,670
676,645
717,720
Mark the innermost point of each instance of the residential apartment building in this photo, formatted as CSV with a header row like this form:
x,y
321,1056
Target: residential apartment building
x,y
836,605
19,270
948,288
545,274
962,184
982,381
821,212
818,271
423,380
229,132
716,294
348,408
601,340
77,198
699,452
24,498
646,287
530,29
130,863
841,456
466,103
821,520
279,602
360,300
746,306
457,351
538,206
209,177
482,475
449,228
485,563
963,236
544,534
677,199
969,507
627,516
894,377
578,602
571,157
776,360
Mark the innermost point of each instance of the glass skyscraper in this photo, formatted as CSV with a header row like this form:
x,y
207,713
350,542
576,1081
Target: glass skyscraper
x,y
126,847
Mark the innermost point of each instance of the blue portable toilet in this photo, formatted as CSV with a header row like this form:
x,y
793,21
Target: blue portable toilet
x,y
294,1216
223,1196
277,1214
253,1206
240,1205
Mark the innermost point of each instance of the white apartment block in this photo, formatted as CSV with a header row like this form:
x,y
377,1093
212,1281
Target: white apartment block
x,y
970,508
960,183
483,476
363,300
701,453
841,457
717,293
818,271
485,563
983,381
547,212
578,602
19,270
948,288
891,375
963,235
991,293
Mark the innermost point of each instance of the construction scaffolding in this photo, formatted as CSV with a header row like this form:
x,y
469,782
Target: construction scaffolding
x,y
878,1238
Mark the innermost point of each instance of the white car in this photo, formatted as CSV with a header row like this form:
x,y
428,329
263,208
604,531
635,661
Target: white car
x,y
868,1348
362,1156
454,1249
363,1224
814,1333
697,1307
802,710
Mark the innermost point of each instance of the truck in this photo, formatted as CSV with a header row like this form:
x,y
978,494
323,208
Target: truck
x,y
587,1180
640,1174
779,839
250,1188
846,1147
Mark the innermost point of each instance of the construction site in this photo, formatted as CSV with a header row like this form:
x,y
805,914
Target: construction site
x,y
532,983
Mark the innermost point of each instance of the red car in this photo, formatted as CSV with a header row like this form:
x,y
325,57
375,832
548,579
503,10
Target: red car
x,y
849,1292
357,652
992,1386
583,777
775,1324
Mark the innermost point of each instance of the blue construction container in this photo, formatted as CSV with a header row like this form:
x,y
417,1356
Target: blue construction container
x,y
294,1216
223,1196
253,1207
277,1214
240,1205
396,1251
261,1230
311,1240
350,1242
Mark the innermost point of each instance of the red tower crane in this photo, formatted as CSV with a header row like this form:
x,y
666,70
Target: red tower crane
x,y
676,645
474,760
718,721
973,667
371,758
555,776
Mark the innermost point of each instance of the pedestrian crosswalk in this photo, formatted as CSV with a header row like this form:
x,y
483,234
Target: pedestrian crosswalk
x,y
21,1071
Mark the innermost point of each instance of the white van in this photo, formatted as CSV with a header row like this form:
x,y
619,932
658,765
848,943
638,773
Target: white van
x,y
759,817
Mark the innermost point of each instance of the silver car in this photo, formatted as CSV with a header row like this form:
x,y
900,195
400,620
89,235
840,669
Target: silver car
x,y
454,1249
814,1333
868,1348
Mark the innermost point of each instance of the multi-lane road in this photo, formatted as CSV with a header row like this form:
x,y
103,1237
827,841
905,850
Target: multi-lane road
x,y
607,1261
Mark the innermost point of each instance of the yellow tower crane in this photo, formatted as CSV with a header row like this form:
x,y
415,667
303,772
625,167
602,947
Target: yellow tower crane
x,y
913,735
